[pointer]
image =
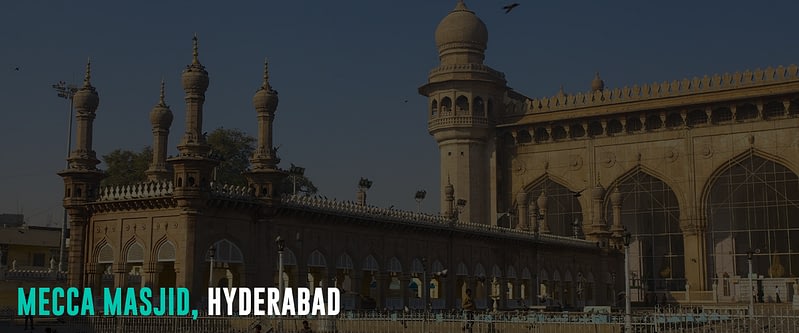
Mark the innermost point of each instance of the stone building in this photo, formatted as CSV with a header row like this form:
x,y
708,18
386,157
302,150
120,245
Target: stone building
x,y
536,195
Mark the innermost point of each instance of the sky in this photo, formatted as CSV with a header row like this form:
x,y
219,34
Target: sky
x,y
344,70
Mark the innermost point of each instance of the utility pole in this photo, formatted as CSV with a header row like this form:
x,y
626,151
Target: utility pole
x,y
65,91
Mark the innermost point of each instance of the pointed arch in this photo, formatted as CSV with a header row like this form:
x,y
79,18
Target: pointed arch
x,y
317,259
510,273
752,203
105,253
436,267
370,264
650,210
135,253
479,271
394,265
651,172
166,252
563,209
496,272
289,259
344,262
462,270
543,275
227,251
416,266
526,274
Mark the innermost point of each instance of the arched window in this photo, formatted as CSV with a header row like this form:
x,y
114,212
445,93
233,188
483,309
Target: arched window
x,y
753,204
446,104
434,108
674,120
166,252
746,112
650,212
653,122
773,109
226,251
721,115
563,209
462,105
105,255
479,107
696,118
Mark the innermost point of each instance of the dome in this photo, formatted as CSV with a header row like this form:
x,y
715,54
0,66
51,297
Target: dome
x,y
266,97
461,28
86,98
195,77
597,84
161,115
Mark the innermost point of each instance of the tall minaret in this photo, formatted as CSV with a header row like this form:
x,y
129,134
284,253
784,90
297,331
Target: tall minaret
x,y
264,177
463,100
161,119
193,166
81,178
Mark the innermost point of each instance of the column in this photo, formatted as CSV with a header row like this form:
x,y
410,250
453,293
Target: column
x,y
521,202
77,223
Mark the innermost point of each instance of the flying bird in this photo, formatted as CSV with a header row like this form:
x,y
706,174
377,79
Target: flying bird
x,y
16,69
510,7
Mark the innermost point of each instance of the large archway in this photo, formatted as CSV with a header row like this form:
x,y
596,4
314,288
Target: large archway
x,y
226,266
753,205
651,213
559,209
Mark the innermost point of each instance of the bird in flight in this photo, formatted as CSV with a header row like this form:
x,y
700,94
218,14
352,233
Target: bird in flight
x,y
16,68
510,7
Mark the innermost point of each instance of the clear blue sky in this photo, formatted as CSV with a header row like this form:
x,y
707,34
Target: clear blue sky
x,y
344,70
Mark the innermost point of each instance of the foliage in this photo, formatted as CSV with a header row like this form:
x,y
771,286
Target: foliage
x,y
236,148
127,167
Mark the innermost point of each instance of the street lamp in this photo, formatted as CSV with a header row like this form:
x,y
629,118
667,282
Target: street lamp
x,y
65,91
364,184
295,172
281,244
627,319
420,195
749,255
211,255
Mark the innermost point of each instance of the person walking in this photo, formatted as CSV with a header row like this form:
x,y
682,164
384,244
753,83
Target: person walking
x,y
468,310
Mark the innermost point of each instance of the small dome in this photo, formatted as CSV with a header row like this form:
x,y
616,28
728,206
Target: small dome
x,y
266,97
195,77
449,190
461,28
598,192
161,115
86,98
597,84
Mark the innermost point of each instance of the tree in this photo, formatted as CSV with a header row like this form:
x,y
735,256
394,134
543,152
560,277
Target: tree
x,y
233,145
236,148
127,167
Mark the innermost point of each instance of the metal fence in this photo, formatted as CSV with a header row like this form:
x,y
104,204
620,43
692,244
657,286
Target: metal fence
x,y
707,320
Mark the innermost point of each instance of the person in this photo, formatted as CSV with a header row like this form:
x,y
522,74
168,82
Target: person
x,y
777,291
306,327
468,307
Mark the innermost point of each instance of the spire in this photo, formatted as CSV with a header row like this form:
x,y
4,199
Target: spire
x,y
460,6
265,85
597,84
195,52
87,79
161,101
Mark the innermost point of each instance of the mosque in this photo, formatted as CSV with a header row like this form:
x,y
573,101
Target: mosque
x,y
537,195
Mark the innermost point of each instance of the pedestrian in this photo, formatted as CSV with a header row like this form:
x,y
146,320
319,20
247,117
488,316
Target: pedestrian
x,y
468,308
777,291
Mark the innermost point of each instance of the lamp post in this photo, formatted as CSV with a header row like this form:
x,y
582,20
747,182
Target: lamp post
x,y
420,195
294,173
749,255
65,91
627,319
211,255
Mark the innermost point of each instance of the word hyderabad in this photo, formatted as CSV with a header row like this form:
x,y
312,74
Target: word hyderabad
x,y
116,302
293,301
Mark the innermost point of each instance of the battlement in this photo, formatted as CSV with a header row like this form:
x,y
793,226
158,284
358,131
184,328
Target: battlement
x,y
136,191
655,90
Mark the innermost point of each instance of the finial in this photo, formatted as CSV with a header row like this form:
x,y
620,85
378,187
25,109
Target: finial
x,y
561,91
265,86
88,78
460,5
195,53
161,101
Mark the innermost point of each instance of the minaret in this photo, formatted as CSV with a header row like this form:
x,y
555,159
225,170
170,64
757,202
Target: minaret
x,y
265,177
463,99
161,119
193,166
81,178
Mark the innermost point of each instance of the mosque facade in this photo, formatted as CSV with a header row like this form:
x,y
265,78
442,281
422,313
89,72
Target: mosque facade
x,y
536,197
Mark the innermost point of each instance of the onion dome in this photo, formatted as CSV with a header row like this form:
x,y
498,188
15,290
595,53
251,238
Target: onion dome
x,y
161,115
598,192
266,97
615,196
86,98
449,190
542,200
461,29
195,77
597,84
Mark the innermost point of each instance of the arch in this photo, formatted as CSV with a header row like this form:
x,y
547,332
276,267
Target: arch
x,y
541,134
696,118
595,128
446,104
737,159
511,273
562,207
653,122
555,275
479,271
746,111
461,104
558,133
614,126
344,262
135,253
394,265
436,267
523,136
105,254
543,275
462,270
567,277
651,172
289,259
589,277
495,271
773,109
721,115
434,107
166,252
650,210
479,108
317,259
674,120
227,251
752,203
634,124
526,274
576,131
370,264
416,266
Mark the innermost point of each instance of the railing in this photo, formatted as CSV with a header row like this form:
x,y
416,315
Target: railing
x,y
682,320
